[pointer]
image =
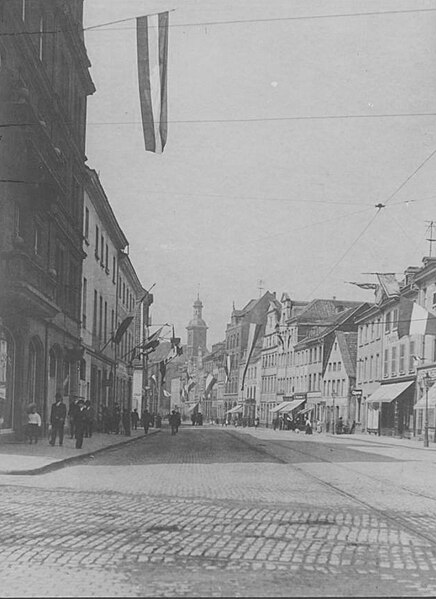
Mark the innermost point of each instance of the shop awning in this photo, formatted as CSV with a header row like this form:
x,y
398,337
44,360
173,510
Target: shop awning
x,y
306,410
389,392
235,410
192,407
431,400
280,406
293,405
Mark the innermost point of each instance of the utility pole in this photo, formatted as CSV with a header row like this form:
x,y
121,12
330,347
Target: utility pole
x,y
430,239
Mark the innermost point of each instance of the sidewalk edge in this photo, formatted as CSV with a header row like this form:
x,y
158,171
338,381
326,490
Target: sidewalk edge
x,y
68,461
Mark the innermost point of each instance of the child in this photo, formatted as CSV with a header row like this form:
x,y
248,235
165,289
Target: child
x,y
33,423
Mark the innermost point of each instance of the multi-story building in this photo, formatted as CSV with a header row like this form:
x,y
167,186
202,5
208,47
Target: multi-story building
x,y
269,362
44,84
212,374
103,243
237,332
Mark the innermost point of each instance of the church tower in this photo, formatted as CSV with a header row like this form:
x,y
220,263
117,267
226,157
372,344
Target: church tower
x,y
197,333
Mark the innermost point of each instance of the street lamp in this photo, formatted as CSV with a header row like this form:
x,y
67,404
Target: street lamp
x,y
426,383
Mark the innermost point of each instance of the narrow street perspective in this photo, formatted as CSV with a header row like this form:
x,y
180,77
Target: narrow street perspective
x,y
214,511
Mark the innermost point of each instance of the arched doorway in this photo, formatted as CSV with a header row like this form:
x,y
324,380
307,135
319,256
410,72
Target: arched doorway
x,y
7,374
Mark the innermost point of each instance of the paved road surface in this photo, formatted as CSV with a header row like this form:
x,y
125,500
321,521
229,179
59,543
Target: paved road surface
x,y
219,512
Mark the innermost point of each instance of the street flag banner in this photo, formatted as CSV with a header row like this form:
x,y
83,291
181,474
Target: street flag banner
x,y
165,392
210,382
122,329
150,342
153,378
414,319
152,51
280,341
227,364
163,370
253,335
363,285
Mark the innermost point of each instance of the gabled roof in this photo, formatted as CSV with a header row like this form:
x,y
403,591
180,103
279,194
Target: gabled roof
x,y
348,347
324,311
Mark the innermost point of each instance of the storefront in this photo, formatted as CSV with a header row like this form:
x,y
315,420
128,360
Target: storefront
x,y
390,409
425,407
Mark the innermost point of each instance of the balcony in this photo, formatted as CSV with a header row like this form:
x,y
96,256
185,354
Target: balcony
x,y
26,288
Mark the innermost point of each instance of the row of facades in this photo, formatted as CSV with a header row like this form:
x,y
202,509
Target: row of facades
x,y
66,279
331,358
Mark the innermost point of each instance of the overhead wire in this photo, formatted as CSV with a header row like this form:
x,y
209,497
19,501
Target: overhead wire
x,y
392,195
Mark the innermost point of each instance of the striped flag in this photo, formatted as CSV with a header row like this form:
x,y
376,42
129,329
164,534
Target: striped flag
x,y
253,335
152,49
210,382
414,319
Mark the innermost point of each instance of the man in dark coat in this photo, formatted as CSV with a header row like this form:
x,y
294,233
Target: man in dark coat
x,y
146,420
174,420
89,418
57,419
80,423
71,415
126,422
135,419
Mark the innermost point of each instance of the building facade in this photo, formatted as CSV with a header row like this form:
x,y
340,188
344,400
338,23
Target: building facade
x,y
44,85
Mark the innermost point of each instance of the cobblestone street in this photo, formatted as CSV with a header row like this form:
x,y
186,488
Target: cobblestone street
x,y
217,512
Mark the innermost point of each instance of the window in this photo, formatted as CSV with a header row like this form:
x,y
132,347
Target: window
x,y
339,366
395,319
23,10
386,363
84,294
401,365
107,259
394,361
388,322
41,38
105,322
114,270
377,367
424,297
36,239
102,250
94,319
100,324
97,237
371,368
411,356
86,225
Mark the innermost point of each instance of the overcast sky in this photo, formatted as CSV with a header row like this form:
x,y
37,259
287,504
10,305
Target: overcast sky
x,y
290,202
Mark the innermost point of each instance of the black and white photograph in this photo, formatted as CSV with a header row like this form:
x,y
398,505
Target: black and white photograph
x,y
217,298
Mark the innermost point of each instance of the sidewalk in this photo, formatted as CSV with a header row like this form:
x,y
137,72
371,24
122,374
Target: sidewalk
x,y
23,458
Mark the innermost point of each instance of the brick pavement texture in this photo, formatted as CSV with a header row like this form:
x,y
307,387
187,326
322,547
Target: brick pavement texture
x,y
134,527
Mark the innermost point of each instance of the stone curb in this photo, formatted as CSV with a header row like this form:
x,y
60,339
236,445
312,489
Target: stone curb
x,y
71,460
343,437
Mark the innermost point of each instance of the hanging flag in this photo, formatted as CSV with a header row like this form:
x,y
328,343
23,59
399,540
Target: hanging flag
x,y
363,285
122,329
152,50
227,363
163,369
165,392
414,319
253,335
280,340
152,342
210,382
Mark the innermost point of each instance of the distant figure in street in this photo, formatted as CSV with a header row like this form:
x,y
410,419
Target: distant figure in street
x,y
256,421
33,423
146,419
200,419
135,419
80,423
71,415
275,423
318,426
353,427
116,419
106,417
175,422
193,419
89,418
126,423
57,419
308,427
158,421
339,426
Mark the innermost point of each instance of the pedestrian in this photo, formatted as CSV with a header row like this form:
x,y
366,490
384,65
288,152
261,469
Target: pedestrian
x,y
174,421
158,421
339,426
80,423
89,418
71,416
193,419
308,427
256,421
318,426
135,419
33,423
146,419
116,419
57,420
106,417
126,422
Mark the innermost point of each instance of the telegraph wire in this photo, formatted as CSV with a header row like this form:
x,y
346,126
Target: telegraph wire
x,y
326,117
379,207
101,26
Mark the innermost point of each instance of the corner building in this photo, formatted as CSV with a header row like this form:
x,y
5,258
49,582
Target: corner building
x,y
44,84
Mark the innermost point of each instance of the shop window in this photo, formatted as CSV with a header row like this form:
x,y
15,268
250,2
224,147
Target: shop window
x,y
6,379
